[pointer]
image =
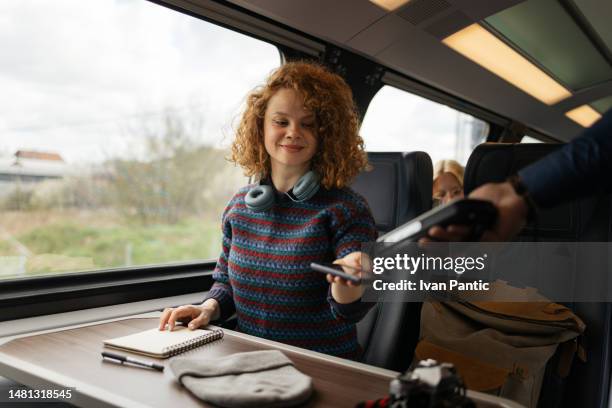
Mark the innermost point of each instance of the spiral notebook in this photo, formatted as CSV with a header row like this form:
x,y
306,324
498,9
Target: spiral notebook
x,y
164,344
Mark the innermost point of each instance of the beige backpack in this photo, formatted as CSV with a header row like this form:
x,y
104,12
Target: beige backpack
x,y
501,347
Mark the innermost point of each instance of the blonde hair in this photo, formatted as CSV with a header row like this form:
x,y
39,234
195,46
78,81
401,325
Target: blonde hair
x,y
449,166
340,154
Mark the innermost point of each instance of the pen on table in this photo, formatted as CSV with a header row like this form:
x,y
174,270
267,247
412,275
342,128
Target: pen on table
x,y
126,359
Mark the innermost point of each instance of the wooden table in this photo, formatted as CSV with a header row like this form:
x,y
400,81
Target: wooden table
x,y
71,358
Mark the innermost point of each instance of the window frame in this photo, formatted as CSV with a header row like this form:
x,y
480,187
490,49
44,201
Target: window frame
x,y
35,296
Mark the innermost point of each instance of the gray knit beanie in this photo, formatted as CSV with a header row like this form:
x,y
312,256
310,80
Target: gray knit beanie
x,y
253,379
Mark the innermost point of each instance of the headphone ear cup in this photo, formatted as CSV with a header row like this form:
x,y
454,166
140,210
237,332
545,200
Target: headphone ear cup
x,y
260,198
306,187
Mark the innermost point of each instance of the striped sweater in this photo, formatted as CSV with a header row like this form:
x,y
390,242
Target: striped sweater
x,y
264,275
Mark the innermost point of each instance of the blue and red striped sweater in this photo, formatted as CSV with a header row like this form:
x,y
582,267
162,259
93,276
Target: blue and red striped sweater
x,y
264,275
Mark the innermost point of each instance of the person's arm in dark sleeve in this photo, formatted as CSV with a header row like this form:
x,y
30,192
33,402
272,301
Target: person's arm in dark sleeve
x,y
353,225
350,312
221,289
579,168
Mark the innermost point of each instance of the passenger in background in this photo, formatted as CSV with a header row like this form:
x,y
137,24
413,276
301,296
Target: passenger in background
x,y
299,137
580,168
447,181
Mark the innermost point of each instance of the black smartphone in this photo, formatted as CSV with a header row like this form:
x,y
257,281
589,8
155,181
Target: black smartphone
x,y
477,214
336,270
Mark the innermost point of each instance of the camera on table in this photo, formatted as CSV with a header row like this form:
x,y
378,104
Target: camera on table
x,y
430,384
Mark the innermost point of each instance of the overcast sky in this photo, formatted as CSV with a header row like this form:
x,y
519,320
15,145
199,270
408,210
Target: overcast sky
x,y
77,77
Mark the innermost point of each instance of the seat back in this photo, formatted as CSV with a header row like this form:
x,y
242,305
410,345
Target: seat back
x,y
585,220
398,188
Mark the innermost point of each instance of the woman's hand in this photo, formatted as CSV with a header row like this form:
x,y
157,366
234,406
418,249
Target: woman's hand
x,y
196,316
344,291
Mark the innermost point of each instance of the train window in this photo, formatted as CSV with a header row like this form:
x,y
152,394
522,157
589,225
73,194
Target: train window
x,y
399,121
114,137
529,139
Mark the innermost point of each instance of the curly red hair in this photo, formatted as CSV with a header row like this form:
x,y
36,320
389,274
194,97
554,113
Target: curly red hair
x,y
340,153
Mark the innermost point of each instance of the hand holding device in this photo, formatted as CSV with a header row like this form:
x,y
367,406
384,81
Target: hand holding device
x,y
476,215
336,270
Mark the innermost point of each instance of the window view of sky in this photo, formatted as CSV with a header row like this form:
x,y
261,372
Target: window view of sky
x,y
399,121
82,74
85,76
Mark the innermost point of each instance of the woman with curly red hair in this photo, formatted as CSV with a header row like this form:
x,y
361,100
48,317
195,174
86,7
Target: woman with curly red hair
x,y
299,138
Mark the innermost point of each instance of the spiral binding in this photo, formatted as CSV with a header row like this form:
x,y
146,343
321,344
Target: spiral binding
x,y
215,334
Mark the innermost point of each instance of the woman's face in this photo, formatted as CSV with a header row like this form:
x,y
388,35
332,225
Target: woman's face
x,y
289,132
446,188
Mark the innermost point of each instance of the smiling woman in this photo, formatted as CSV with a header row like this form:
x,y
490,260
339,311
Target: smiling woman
x,y
289,137
335,119
116,133
272,235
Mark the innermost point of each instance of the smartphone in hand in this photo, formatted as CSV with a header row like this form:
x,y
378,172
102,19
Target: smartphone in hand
x,y
336,270
479,215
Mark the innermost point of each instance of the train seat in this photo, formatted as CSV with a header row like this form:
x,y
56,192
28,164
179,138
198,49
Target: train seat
x,y
398,188
585,220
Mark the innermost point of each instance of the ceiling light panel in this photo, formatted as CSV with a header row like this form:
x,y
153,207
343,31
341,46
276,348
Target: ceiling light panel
x,y
488,51
545,31
390,5
584,115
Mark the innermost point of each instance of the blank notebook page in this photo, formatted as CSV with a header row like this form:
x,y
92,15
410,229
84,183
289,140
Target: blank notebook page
x,y
165,343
